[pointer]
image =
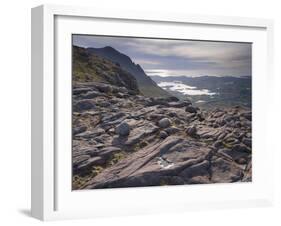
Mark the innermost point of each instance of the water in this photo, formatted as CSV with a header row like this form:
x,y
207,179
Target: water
x,y
200,101
184,89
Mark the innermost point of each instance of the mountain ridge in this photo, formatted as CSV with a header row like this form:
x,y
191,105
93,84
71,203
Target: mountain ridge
x,y
88,67
146,85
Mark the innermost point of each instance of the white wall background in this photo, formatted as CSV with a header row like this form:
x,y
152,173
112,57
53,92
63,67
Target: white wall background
x,y
15,112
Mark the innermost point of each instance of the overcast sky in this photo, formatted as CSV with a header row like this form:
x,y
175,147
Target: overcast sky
x,y
178,57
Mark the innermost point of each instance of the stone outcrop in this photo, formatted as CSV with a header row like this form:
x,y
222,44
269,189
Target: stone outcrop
x,y
124,139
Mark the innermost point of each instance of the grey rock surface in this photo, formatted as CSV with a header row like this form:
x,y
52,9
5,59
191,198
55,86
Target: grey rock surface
x,y
123,139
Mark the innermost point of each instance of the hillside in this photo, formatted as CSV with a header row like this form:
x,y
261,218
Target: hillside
x,y
88,67
146,85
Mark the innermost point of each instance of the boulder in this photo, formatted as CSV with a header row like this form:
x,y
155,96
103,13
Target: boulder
x,y
83,105
191,131
191,109
163,134
104,88
123,129
164,123
172,130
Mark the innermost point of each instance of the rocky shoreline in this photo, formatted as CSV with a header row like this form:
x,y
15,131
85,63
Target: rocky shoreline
x,y
124,139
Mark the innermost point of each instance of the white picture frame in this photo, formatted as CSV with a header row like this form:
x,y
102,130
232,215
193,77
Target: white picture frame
x,y
51,196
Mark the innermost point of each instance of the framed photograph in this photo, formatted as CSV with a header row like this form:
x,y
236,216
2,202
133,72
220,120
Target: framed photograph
x,y
142,112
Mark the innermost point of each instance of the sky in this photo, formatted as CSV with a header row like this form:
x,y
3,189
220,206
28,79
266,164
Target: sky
x,y
178,57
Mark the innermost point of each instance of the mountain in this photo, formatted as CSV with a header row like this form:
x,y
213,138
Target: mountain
x,y
88,67
209,91
146,85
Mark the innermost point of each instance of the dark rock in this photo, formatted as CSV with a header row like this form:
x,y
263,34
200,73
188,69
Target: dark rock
x,y
86,134
79,159
83,105
121,95
218,144
157,101
156,116
78,91
123,129
79,129
247,115
221,121
224,171
221,136
172,130
199,180
164,123
172,99
104,88
163,134
237,124
229,118
104,104
139,133
108,151
200,169
191,109
218,114
242,161
113,117
172,114
179,104
89,163
200,117
241,148
191,131
90,95
248,173
247,142
90,134
234,155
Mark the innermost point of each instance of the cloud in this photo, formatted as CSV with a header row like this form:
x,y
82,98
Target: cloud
x,y
179,56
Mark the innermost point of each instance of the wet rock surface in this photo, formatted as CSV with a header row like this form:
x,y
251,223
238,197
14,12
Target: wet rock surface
x,y
123,139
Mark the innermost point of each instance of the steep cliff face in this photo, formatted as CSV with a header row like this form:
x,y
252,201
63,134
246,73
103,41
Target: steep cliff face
x,y
146,85
89,67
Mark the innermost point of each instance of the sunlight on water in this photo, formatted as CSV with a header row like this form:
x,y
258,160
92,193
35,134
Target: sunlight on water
x,y
184,89
200,101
